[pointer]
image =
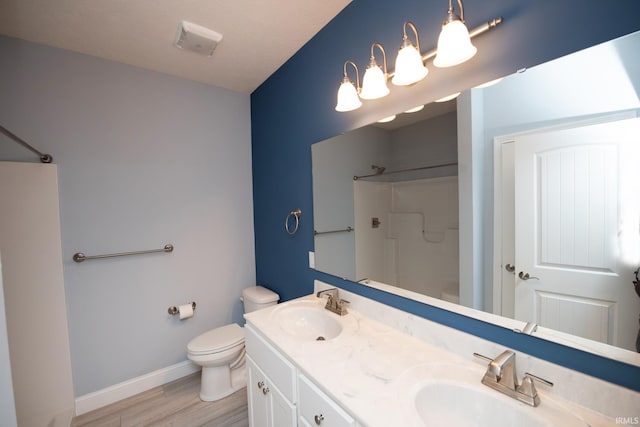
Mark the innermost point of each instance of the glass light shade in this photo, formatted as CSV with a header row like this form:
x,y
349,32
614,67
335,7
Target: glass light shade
x,y
347,97
374,83
409,67
454,45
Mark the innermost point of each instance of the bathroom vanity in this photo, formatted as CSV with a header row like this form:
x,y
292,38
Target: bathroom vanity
x,y
285,395
378,366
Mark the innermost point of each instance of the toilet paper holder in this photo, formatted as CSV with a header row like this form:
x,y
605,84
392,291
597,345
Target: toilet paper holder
x,y
173,310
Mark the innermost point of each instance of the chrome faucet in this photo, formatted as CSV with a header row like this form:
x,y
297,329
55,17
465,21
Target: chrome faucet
x,y
334,303
501,376
502,370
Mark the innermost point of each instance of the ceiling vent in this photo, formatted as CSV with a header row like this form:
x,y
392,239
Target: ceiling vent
x,y
197,39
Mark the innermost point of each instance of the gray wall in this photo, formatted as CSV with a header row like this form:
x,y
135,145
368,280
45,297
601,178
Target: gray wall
x,y
430,142
144,159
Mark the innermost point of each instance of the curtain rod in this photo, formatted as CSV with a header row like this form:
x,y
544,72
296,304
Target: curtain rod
x,y
357,177
44,158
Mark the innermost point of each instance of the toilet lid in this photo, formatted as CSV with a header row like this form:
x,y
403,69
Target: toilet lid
x,y
217,340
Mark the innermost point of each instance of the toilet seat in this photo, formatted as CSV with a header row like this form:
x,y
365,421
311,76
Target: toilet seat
x,y
217,340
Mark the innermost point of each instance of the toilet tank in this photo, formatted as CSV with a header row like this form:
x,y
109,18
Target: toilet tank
x,y
257,297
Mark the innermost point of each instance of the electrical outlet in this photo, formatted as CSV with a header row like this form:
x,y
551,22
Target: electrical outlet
x,y
312,259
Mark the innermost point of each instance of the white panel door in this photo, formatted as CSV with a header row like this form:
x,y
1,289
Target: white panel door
x,y
505,305
576,222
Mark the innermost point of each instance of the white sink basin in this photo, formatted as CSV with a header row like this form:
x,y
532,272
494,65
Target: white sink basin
x,y
307,321
453,404
451,395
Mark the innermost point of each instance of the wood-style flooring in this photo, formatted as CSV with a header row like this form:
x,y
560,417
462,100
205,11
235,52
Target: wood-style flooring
x,y
174,404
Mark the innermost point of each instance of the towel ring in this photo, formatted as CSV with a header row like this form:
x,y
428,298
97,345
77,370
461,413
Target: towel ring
x,y
296,214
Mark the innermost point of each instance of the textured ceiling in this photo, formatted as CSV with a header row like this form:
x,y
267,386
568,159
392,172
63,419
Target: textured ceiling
x,y
259,35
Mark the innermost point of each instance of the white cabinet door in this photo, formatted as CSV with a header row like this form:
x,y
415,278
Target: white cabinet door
x,y
303,423
317,409
283,413
267,405
256,381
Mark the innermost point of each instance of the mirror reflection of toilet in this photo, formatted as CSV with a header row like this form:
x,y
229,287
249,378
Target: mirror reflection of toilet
x,y
451,293
221,351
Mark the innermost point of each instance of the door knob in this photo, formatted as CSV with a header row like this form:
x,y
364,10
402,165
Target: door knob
x,y
318,419
510,268
525,276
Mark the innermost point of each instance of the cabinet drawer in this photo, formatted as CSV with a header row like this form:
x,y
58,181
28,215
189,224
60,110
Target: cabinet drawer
x,y
281,372
317,409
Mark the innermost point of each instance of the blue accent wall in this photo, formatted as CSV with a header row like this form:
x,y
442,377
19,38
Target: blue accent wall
x,y
294,108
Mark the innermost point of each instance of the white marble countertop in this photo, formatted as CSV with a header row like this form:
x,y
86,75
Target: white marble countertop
x,y
372,369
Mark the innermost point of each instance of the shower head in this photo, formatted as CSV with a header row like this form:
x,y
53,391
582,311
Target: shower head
x,y
379,169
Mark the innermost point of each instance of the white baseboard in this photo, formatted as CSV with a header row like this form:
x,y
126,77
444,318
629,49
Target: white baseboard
x,y
128,388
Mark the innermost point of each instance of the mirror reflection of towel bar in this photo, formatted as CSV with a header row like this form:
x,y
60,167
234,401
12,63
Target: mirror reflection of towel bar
x,y
346,230
79,256
357,177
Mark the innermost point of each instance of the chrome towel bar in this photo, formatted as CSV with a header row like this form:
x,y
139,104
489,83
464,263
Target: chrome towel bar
x,y
79,256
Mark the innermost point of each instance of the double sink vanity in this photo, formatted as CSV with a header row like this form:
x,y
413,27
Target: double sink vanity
x,y
320,361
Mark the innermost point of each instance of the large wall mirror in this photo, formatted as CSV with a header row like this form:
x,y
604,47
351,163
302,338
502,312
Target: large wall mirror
x,y
557,150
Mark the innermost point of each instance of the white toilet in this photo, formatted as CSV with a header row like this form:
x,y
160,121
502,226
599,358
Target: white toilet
x,y
221,353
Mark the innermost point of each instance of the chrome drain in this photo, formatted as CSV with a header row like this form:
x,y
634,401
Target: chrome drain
x,y
320,338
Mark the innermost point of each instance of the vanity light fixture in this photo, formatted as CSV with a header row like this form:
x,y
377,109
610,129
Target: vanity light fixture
x,y
454,43
454,47
374,82
348,99
409,66
448,97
